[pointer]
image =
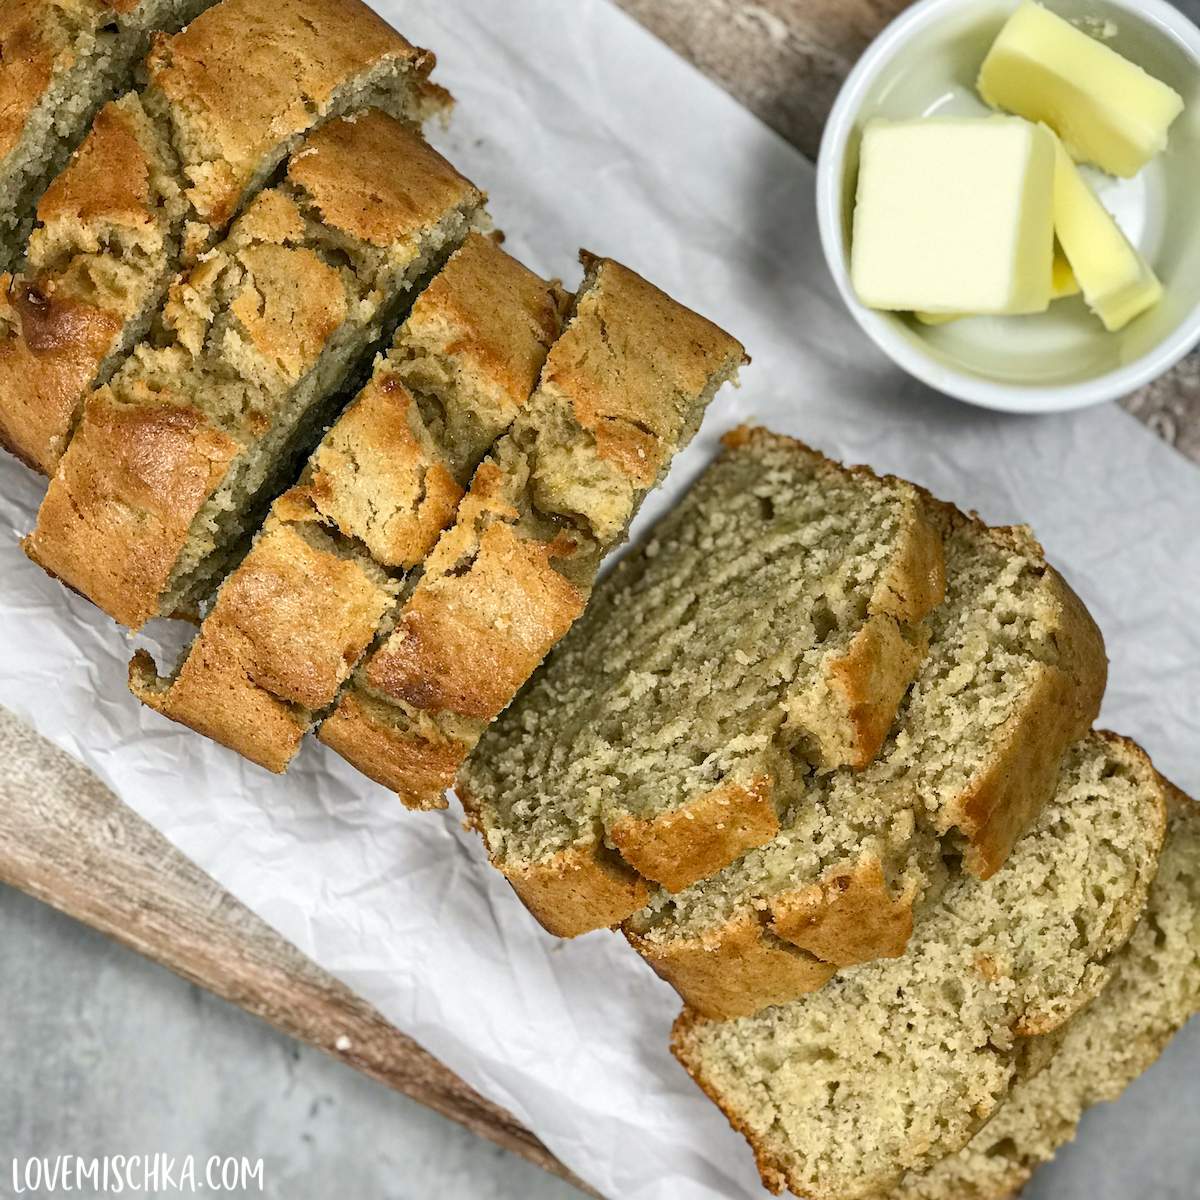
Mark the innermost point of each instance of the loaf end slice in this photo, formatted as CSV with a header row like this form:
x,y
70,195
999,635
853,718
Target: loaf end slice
x,y
621,392
1154,990
324,574
1015,673
177,458
840,1109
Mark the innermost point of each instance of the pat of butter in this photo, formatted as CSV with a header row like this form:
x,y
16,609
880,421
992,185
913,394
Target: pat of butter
x,y
1116,280
954,215
1106,109
1062,284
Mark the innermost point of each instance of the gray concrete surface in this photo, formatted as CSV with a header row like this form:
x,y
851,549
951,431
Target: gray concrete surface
x,y
103,1052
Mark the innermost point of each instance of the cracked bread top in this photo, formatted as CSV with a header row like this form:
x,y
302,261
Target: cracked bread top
x,y
296,615
622,391
262,329
97,266
895,1064
244,81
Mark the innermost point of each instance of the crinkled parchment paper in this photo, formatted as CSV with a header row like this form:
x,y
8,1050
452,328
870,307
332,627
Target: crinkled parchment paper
x,y
589,133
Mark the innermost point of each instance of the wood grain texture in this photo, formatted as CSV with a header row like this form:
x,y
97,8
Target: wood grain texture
x,y
65,839
785,60
68,841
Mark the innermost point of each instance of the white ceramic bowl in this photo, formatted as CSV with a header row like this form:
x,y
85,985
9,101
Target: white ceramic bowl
x,y
926,62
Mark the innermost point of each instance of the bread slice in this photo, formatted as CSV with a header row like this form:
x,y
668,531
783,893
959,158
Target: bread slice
x,y
176,459
139,198
1155,988
1015,674
774,619
98,267
896,1064
325,571
60,61
622,391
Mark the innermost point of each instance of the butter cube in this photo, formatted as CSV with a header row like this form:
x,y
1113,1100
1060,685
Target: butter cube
x,y
1116,280
954,215
1106,109
1062,284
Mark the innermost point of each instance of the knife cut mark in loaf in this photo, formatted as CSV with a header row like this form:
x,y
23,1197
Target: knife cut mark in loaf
x,y
623,390
897,1063
325,571
774,619
176,459
1015,674
59,63
145,195
1154,990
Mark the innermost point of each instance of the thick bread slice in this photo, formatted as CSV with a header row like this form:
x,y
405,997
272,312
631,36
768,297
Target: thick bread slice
x,y
60,60
1015,674
295,617
245,82
896,1064
97,271
177,457
1155,988
773,620
622,391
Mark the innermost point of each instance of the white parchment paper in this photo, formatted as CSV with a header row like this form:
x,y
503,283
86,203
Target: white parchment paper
x,y
588,132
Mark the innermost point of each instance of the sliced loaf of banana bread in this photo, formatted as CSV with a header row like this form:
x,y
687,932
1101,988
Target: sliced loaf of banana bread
x,y
896,1064
1015,674
242,84
622,391
1155,989
176,459
60,61
291,622
774,619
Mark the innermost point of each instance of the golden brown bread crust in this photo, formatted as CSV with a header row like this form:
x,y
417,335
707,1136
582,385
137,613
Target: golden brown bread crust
x,y
679,847
286,630
418,764
579,889
849,916
245,77
123,500
376,476
59,325
377,179
746,963
756,959
465,642
633,352
495,319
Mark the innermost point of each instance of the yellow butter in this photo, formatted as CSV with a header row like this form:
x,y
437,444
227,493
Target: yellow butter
x,y
1106,109
954,215
1117,282
1062,284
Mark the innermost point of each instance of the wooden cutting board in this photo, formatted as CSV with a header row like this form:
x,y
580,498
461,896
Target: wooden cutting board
x,y
66,840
